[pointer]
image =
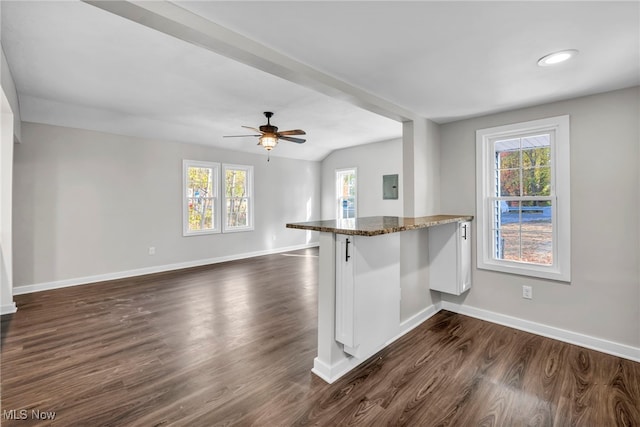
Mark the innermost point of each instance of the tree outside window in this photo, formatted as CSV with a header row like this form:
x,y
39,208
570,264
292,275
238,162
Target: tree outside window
x,y
523,198
524,229
238,199
200,197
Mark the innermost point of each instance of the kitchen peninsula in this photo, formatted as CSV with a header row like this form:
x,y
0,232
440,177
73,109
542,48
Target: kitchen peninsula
x,y
360,278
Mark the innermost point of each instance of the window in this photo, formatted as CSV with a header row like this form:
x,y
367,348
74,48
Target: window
x,y
346,193
201,198
201,213
238,202
523,198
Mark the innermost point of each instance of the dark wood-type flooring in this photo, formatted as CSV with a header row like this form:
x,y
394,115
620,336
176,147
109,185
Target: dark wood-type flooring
x,y
233,344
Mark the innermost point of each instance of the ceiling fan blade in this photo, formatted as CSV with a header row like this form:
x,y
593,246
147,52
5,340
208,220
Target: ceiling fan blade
x,y
254,129
292,132
237,136
296,140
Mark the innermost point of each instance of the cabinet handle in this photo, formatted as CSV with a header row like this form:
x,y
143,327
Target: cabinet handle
x,y
465,232
346,259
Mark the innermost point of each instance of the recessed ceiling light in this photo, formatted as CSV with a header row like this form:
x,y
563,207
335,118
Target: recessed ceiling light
x,y
556,57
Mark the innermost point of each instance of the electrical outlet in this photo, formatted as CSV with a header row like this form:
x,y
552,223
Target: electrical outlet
x,y
152,250
527,292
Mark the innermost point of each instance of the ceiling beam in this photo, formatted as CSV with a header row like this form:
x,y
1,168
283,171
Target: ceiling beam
x,y
178,22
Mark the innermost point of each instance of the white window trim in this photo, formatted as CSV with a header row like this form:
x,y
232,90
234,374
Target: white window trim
x,y
216,202
338,195
561,219
249,196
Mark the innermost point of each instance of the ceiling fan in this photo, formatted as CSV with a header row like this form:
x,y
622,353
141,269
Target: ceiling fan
x,y
269,135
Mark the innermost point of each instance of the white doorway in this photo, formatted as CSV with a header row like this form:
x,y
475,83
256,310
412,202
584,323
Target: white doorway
x,y
346,193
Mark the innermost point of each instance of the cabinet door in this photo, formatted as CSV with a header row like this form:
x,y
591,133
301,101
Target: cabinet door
x,y
367,292
443,258
345,289
450,257
464,254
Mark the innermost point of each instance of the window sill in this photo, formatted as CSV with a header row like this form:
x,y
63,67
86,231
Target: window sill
x,y
237,230
529,270
199,233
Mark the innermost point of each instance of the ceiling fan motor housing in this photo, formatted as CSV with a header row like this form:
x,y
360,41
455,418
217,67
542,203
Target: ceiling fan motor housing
x,y
269,129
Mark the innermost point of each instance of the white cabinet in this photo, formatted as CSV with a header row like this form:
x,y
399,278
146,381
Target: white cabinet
x,y
450,257
367,292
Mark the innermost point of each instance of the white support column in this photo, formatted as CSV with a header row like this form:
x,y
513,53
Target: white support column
x,y
421,167
374,312
421,196
331,360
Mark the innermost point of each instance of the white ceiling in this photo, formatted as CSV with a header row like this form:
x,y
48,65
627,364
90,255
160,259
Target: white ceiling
x,y
77,65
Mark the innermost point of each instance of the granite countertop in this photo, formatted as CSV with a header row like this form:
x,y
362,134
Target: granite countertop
x,y
376,225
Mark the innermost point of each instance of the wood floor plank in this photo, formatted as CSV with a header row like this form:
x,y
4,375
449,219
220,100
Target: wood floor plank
x,y
233,344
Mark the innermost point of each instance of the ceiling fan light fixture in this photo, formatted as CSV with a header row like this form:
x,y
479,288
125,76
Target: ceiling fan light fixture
x,y
268,142
557,57
269,135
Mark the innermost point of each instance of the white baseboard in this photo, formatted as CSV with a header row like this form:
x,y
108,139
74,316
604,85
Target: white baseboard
x,y
8,309
322,370
331,373
45,286
417,319
598,344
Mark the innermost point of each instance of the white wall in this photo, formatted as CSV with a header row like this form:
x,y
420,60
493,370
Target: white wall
x,y
11,131
603,299
373,161
6,182
9,88
89,204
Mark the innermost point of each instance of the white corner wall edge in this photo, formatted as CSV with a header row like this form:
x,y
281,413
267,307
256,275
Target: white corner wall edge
x,y
8,309
593,343
37,287
417,319
331,373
